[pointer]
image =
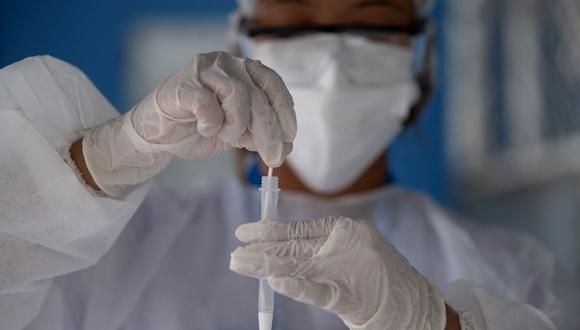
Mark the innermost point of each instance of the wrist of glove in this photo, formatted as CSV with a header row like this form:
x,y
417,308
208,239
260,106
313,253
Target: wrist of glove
x,y
344,266
118,158
213,103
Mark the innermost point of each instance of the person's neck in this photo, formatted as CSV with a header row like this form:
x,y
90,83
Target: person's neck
x,y
376,176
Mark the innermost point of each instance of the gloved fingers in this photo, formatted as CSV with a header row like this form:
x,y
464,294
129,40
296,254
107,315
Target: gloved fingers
x,y
291,248
247,141
235,103
166,96
303,290
204,105
200,148
287,149
278,96
267,230
265,127
184,101
261,265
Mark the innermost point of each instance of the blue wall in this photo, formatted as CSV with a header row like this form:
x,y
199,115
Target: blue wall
x,y
91,35
88,34
418,156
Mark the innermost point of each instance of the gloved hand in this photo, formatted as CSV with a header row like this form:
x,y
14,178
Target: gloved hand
x,y
344,266
213,103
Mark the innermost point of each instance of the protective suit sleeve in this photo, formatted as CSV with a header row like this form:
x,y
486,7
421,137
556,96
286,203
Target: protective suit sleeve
x,y
50,222
528,271
479,310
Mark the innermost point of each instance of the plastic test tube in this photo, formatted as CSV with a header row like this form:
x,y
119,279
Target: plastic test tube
x,y
269,211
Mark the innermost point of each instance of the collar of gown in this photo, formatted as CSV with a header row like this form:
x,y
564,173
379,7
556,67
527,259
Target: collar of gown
x,y
299,206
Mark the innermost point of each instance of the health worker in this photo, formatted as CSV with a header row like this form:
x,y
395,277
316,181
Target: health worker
x,y
320,90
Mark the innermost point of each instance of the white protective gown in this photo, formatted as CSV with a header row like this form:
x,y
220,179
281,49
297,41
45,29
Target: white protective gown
x,y
70,259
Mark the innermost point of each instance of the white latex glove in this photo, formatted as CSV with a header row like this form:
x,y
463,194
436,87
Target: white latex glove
x,y
214,102
344,266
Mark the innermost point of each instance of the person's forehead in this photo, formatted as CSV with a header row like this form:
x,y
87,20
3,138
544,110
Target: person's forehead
x,y
337,11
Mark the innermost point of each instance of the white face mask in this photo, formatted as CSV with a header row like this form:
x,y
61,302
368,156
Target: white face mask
x,y
351,97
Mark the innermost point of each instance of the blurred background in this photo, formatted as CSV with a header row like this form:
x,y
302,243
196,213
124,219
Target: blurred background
x,y
500,142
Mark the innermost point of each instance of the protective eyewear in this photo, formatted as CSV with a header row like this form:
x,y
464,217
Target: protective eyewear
x,y
373,32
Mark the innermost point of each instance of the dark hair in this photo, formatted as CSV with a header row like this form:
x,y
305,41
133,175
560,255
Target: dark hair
x,y
425,81
426,91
